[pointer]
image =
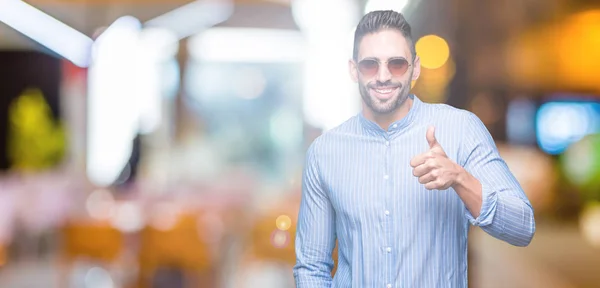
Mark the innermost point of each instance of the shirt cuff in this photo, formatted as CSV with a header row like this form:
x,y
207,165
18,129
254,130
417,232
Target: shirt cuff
x,y
489,199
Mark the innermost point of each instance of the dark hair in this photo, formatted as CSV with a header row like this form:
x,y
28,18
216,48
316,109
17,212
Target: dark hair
x,y
376,21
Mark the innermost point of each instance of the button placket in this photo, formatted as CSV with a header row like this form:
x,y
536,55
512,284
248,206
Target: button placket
x,y
387,249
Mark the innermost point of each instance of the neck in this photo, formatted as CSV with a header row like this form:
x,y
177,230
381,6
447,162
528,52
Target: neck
x,y
385,120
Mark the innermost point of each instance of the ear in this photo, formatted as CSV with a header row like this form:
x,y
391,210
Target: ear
x,y
353,70
416,68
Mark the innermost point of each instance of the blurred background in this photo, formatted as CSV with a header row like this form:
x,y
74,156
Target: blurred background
x,y
161,143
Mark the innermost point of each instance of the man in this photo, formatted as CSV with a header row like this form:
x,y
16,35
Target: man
x,y
399,184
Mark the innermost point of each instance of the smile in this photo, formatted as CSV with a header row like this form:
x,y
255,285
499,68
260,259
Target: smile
x,y
384,93
385,90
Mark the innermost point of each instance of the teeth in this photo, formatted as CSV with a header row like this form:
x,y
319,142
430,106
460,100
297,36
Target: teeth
x,y
384,91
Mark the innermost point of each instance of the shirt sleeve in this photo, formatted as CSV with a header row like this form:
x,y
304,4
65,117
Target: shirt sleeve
x,y
506,213
315,236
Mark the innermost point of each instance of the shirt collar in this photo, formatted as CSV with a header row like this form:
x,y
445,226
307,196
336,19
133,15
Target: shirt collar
x,y
397,126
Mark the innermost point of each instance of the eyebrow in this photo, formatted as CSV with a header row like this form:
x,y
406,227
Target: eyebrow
x,y
378,60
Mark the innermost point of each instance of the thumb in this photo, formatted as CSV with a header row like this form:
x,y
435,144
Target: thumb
x,y
431,137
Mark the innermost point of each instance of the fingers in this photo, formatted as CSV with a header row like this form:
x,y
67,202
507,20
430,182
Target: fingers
x,y
425,168
420,159
430,174
434,185
425,179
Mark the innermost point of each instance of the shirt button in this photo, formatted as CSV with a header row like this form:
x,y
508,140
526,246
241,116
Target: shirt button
x,y
387,143
389,286
394,126
387,212
386,177
389,249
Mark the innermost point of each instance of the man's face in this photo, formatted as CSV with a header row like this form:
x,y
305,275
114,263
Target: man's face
x,y
384,70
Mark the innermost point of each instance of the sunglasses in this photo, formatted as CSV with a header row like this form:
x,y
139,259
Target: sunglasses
x,y
396,66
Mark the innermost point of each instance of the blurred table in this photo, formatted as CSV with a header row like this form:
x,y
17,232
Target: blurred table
x,y
558,257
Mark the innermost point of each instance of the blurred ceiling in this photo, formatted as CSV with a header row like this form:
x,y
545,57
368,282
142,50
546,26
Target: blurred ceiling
x,y
87,16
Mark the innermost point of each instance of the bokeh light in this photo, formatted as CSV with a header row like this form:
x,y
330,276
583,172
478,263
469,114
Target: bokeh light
x,y
534,64
561,123
590,224
579,34
280,239
433,51
98,277
128,217
581,164
165,216
100,204
283,222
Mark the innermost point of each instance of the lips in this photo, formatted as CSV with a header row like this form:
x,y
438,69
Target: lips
x,y
383,93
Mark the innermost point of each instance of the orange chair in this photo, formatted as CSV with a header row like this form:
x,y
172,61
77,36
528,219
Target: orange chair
x,y
91,240
98,241
180,247
3,255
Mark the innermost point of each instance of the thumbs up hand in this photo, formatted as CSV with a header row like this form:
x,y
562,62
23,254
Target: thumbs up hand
x,y
434,145
433,168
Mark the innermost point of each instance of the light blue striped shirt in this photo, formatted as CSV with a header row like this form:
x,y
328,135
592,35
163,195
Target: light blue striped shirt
x,y
358,188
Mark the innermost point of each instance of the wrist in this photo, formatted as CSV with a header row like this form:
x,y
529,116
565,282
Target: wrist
x,y
461,177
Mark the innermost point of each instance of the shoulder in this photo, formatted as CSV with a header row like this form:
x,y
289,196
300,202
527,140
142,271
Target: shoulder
x,y
450,122
465,120
451,117
445,111
333,137
459,126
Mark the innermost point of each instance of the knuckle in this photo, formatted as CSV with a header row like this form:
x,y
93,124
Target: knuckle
x,y
430,163
440,183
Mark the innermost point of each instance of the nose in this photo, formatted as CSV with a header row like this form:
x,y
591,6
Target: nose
x,y
383,75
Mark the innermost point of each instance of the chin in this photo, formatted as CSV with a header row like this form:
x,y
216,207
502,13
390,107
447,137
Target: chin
x,y
385,107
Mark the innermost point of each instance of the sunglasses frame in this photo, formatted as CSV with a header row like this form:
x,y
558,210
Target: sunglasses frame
x,y
380,63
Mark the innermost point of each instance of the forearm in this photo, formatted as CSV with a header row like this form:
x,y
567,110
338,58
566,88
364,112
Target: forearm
x,y
469,190
503,215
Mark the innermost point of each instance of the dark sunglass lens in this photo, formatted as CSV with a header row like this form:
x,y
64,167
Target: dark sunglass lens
x,y
368,67
398,67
